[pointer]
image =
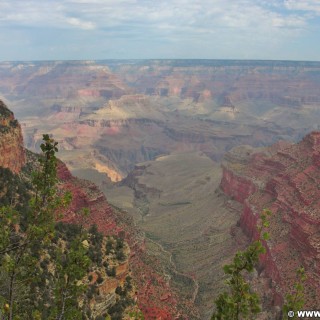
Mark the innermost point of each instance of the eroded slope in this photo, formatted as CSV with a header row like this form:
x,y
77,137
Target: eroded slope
x,y
180,207
284,178
110,115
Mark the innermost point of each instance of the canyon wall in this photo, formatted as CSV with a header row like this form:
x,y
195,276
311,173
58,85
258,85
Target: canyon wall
x,y
111,115
155,296
12,155
284,178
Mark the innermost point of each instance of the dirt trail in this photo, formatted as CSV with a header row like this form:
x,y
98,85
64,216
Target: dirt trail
x,y
174,269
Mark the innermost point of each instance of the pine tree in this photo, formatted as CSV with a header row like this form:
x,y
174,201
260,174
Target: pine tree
x,y
24,239
295,300
240,302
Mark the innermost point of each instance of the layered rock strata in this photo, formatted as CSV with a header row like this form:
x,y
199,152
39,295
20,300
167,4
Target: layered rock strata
x,y
284,178
154,295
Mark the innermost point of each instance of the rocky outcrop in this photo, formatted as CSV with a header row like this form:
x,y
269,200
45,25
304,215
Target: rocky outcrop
x,y
284,178
12,154
151,284
87,195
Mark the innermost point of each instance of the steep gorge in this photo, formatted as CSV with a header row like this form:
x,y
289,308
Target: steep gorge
x,y
108,116
283,178
178,205
156,297
154,294
105,113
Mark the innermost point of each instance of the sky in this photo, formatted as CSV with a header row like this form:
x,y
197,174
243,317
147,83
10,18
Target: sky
x,y
159,29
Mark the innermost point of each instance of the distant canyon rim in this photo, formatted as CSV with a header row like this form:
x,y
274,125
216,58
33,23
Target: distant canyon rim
x,y
152,134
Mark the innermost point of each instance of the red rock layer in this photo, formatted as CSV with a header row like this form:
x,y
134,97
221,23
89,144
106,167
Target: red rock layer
x,y
284,178
152,287
12,154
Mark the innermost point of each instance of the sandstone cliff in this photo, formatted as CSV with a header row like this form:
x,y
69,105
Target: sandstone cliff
x,y
284,178
12,155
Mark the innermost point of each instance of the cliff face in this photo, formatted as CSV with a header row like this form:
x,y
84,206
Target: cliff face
x,y
155,298
153,295
284,178
111,115
286,83
12,155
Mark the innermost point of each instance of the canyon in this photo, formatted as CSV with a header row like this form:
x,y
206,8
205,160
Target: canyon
x,y
110,115
155,294
285,179
151,134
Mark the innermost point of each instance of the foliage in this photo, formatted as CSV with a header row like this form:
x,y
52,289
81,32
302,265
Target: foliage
x,y
25,236
240,302
14,191
136,315
295,300
45,265
4,111
70,267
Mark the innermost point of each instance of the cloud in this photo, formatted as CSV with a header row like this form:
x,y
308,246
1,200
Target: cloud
x,y
85,25
239,26
153,14
312,6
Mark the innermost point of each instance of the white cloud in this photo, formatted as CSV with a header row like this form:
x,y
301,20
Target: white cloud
x,y
151,14
235,25
312,6
85,25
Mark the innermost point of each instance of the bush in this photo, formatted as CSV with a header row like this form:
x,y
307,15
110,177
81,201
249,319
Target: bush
x,y
100,279
120,255
111,272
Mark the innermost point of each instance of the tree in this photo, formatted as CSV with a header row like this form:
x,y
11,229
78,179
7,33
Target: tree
x,y
295,299
44,263
25,238
240,302
70,268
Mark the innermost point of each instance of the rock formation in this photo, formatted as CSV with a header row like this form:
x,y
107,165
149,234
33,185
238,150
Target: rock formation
x,y
12,155
163,106
155,297
284,178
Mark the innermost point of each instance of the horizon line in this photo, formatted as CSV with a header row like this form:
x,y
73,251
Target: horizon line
x,y
160,59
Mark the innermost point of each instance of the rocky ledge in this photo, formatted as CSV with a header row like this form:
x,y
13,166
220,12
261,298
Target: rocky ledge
x,y
284,178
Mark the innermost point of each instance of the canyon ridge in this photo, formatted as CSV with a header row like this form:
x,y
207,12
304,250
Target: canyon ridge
x,y
191,151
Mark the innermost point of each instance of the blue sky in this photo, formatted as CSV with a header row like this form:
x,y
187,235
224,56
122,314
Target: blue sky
x,y
152,29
